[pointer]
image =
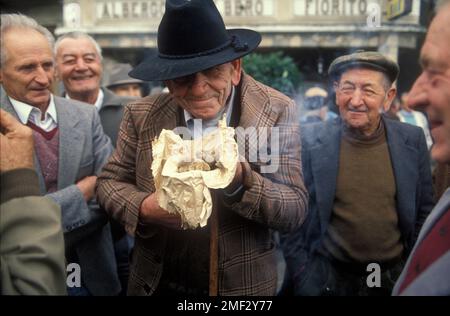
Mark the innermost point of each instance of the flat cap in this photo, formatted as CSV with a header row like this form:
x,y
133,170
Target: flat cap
x,y
371,60
119,76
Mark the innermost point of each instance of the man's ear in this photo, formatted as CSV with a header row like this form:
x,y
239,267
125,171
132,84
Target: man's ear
x,y
236,71
390,96
168,84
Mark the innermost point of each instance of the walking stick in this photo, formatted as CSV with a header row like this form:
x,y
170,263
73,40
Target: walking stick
x,y
214,247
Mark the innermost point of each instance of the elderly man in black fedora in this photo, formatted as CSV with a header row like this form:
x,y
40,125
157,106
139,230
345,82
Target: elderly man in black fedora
x,y
200,61
369,187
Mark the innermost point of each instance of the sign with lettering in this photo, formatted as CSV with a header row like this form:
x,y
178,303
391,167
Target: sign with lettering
x,y
397,8
334,8
115,10
245,8
126,9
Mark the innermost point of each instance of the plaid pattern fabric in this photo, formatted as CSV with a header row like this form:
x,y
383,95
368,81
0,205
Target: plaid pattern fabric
x,y
247,264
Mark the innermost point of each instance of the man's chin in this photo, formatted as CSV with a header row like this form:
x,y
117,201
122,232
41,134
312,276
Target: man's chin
x,y
81,87
39,102
441,153
357,125
205,115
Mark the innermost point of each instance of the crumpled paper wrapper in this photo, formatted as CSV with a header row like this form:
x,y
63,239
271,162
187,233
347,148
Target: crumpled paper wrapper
x,y
184,170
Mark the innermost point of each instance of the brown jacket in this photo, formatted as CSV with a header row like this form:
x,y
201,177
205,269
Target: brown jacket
x,y
247,264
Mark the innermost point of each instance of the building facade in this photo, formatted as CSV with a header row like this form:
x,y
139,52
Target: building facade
x,y
313,32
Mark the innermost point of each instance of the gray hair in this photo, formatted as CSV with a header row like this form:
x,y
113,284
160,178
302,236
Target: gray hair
x,y
16,21
387,83
78,35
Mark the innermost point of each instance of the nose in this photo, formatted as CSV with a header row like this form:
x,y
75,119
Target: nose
x,y
134,91
357,98
42,77
418,95
80,65
199,84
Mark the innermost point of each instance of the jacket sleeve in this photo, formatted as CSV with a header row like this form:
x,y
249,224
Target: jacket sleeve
x,y
79,217
116,187
424,194
275,195
32,246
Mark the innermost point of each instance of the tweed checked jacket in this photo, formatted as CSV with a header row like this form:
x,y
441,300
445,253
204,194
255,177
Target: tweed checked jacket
x,y
247,264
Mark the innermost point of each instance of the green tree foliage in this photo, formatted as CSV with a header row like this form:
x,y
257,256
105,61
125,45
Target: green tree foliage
x,y
274,70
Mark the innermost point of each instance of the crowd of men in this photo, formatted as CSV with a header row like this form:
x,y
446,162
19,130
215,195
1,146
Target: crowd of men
x,y
77,184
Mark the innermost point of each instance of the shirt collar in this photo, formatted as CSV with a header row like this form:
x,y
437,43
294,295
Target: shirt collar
x,y
99,102
24,110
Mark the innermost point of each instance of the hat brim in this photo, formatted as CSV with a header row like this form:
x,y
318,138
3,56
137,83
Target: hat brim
x,y
158,68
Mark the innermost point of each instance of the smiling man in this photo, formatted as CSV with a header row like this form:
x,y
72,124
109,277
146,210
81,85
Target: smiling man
x,y
70,149
369,186
427,271
79,66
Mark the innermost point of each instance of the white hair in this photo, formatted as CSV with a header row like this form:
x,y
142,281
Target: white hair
x,y
78,35
17,21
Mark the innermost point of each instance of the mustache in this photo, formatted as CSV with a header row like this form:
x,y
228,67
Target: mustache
x,y
40,87
359,110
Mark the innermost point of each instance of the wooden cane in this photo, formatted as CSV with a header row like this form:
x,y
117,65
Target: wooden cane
x,y
214,247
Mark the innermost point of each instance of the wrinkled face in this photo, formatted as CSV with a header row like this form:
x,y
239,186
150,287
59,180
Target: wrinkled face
x,y
79,66
360,96
431,91
128,89
28,71
204,94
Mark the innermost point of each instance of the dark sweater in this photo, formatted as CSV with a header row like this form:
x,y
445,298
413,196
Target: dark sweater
x,y
46,145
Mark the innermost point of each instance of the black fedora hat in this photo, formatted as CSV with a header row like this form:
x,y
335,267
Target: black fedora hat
x,y
192,37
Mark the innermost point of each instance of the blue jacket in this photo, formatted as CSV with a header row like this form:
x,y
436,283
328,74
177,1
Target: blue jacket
x,y
320,162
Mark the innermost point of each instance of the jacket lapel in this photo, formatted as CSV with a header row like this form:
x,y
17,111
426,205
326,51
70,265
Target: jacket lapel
x,y
71,144
404,159
255,107
166,117
324,159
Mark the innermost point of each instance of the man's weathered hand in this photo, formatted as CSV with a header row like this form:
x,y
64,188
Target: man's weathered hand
x,y
16,144
152,213
87,186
